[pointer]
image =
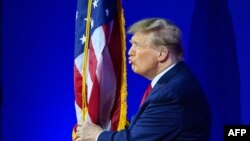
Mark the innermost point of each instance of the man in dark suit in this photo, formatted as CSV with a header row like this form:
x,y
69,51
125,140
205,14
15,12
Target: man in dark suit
x,y
176,108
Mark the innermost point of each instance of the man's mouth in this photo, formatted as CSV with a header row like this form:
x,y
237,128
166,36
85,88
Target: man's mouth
x,y
130,61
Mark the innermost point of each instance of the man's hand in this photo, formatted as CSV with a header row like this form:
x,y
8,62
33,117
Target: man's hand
x,y
87,132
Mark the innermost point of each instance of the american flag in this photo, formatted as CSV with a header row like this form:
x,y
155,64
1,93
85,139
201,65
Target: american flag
x,y
104,94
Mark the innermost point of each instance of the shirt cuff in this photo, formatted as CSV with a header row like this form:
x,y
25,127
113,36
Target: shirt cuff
x,y
96,139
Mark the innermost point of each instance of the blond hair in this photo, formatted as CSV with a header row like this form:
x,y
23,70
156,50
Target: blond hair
x,y
165,33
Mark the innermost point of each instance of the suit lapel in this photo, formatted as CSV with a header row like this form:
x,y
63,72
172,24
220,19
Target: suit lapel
x,y
161,82
165,78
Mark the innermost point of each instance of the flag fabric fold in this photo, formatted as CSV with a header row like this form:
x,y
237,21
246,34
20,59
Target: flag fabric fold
x,y
99,64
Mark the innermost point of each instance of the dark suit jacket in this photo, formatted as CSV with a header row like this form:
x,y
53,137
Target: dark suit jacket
x,y
175,110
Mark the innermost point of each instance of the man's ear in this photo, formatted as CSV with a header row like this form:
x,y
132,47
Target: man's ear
x,y
163,55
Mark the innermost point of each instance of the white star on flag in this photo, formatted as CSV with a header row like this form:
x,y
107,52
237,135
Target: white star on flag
x,y
95,3
83,39
107,12
91,22
76,14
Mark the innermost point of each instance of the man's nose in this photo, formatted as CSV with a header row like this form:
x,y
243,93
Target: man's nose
x,y
131,51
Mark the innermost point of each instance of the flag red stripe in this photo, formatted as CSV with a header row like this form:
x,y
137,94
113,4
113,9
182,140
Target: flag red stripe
x,y
106,29
78,86
92,62
93,106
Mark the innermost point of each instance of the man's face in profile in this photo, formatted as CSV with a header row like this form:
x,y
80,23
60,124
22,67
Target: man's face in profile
x,y
143,57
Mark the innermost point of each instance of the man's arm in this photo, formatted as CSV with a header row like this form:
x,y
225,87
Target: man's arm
x,y
160,119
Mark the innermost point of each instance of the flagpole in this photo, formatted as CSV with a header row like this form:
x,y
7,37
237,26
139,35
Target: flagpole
x,y
85,57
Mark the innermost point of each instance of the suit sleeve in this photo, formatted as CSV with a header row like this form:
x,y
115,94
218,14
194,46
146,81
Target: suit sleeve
x,y
159,119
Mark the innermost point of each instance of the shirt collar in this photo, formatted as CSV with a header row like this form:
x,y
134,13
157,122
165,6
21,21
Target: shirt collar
x,y
154,81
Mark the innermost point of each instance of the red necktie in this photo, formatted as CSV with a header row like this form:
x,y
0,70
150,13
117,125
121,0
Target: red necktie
x,y
146,94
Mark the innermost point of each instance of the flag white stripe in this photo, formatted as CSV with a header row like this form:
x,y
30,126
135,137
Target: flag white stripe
x,y
78,113
79,62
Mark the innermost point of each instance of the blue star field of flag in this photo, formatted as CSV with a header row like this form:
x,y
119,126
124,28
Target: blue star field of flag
x,y
103,11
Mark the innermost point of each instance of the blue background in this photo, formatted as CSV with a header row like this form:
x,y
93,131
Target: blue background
x,y
37,46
